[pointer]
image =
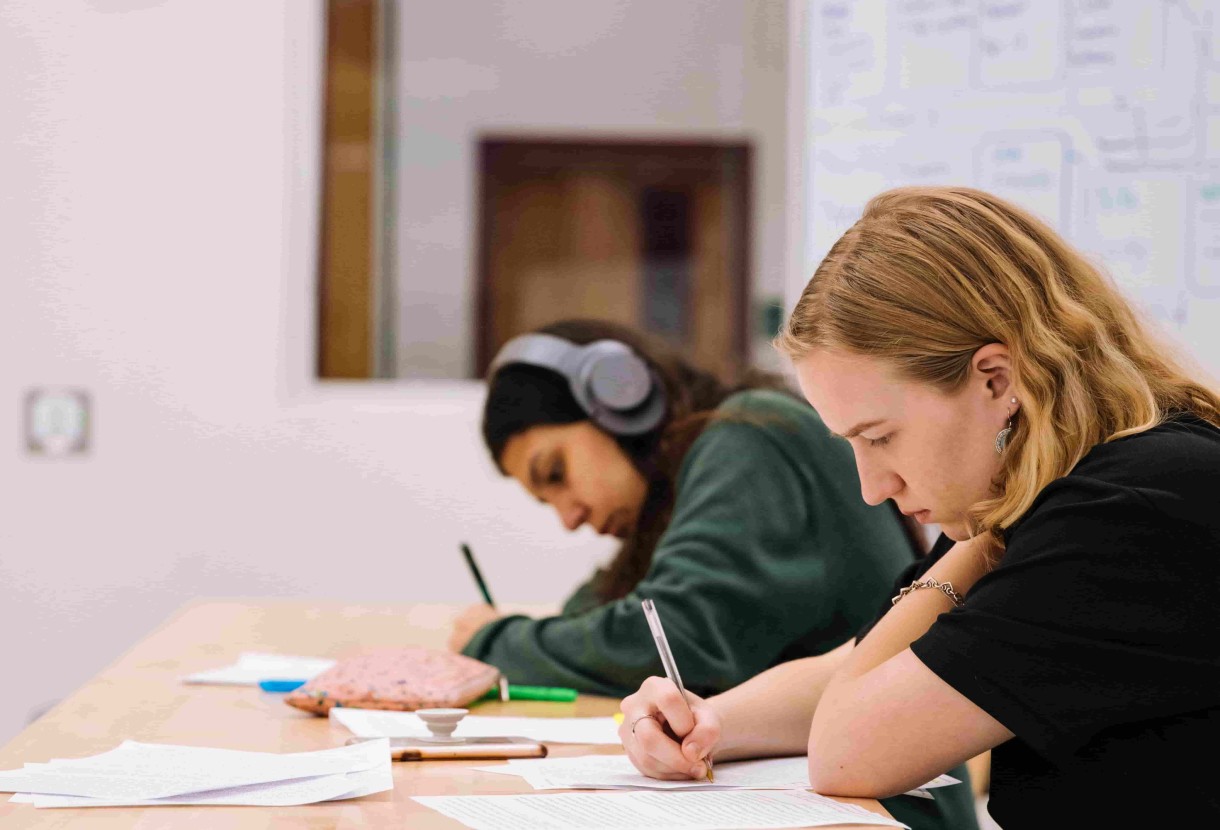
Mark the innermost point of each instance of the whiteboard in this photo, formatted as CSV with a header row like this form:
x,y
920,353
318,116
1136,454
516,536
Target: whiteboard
x,y
1101,116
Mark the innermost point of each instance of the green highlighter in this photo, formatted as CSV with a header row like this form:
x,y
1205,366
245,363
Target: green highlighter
x,y
553,693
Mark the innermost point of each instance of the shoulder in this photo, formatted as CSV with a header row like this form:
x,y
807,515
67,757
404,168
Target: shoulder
x,y
1155,456
760,420
764,400
1155,484
770,411
1175,461
770,431
755,428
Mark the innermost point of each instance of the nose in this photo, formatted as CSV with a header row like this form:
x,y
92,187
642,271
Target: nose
x,y
571,513
877,481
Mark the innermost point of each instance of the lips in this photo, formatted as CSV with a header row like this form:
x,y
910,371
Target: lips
x,y
615,525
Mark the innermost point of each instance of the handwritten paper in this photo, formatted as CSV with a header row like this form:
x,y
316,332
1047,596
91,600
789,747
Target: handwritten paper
x,y
709,810
617,772
601,772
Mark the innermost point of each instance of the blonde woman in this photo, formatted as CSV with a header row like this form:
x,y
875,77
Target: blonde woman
x,y
991,381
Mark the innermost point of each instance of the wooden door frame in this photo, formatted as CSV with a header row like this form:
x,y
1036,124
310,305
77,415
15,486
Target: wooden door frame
x,y
346,224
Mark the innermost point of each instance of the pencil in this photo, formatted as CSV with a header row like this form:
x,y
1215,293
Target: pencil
x,y
478,577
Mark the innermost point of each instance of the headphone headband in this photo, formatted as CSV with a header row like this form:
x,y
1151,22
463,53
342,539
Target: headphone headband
x,y
614,385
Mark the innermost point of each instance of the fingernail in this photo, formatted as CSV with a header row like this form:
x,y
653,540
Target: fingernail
x,y
693,749
697,770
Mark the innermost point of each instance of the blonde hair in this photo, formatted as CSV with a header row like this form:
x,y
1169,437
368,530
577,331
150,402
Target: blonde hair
x,y
929,275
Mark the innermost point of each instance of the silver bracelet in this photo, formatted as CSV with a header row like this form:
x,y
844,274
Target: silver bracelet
x,y
945,588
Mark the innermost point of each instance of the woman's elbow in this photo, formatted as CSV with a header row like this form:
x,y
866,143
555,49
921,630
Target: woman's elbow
x,y
829,773
843,781
832,773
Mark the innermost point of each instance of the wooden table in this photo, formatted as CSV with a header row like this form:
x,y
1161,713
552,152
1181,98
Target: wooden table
x,y
141,697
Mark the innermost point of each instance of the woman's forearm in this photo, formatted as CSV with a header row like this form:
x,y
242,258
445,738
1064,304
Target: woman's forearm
x,y
877,685
904,624
907,621
769,715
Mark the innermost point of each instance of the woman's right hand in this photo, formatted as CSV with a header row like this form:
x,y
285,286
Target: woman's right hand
x,y
665,739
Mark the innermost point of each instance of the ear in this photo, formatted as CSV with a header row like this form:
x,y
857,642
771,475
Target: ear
x,y
992,367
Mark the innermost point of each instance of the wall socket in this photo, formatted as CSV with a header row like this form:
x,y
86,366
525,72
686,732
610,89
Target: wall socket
x,y
57,421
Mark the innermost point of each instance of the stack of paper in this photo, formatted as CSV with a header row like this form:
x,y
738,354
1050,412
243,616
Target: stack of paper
x,y
630,811
253,666
610,772
137,774
369,723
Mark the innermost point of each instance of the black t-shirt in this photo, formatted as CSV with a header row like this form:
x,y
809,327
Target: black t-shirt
x,y
1096,639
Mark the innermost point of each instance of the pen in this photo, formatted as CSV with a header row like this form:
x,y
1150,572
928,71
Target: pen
x,y
478,577
671,668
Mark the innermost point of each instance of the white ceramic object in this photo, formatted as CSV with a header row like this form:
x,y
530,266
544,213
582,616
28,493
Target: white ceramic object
x,y
441,723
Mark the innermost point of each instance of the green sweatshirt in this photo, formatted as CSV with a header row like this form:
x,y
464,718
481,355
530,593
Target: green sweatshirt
x,y
770,555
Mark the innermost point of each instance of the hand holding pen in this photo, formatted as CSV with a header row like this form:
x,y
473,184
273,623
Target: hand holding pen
x,y
474,618
667,731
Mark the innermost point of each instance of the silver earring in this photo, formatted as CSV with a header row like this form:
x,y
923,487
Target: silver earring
x,y
1001,439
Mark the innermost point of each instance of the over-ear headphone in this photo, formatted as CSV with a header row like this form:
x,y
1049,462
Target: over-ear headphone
x,y
613,384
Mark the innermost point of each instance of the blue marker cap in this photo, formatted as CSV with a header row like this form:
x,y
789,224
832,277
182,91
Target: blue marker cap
x,y
278,685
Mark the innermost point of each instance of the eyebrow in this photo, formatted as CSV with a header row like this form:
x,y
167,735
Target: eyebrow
x,y
859,428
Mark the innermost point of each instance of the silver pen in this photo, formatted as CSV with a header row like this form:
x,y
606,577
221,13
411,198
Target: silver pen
x,y
671,668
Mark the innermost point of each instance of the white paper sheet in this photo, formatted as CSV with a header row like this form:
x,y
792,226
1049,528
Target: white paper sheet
x,y
616,772
379,779
277,794
144,758
152,772
280,794
253,666
709,810
939,781
371,723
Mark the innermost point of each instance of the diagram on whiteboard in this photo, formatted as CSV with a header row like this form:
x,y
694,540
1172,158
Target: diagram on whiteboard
x,y
1102,116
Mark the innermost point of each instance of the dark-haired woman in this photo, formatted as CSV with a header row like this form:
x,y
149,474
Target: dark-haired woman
x,y
739,515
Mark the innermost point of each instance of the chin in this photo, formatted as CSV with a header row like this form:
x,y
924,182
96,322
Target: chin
x,y
957,531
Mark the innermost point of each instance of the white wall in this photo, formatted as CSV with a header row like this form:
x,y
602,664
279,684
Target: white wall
x,y
158,186
574,69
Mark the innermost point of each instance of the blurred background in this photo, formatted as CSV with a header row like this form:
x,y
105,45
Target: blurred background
x,y
255,256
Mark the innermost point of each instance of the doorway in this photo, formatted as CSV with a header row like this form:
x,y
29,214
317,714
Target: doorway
x,y
653,235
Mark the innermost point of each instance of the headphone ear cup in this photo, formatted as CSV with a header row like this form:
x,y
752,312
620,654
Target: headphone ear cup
x,y
644,418
622,394
619,381
609,381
